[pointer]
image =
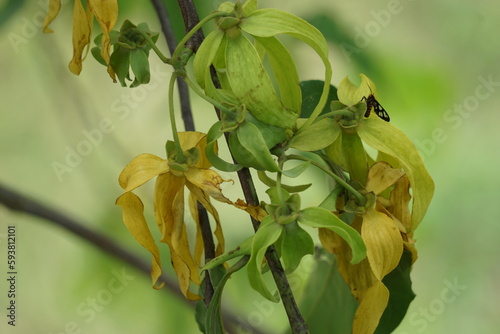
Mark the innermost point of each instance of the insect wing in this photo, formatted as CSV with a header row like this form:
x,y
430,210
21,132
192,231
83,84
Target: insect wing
x,y
380,111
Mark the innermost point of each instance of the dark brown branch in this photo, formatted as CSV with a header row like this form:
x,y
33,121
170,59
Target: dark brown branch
x,y
168,33
17,202
191,19
187,116
297,322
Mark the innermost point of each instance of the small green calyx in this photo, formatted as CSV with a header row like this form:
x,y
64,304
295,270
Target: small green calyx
x,y
348,116
132,36
232,117
181,162
131,46
285,208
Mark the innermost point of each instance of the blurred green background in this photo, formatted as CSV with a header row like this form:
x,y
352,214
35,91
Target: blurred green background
x,y
435,65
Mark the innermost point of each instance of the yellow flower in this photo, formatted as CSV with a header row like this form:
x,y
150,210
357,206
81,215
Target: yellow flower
x,y
385,238
169,208
106,14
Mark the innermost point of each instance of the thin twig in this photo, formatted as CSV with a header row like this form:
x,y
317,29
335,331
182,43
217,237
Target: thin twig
x,y
187,117
17,202
168,32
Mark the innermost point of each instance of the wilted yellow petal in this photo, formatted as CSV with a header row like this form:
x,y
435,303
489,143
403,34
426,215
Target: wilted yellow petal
x,y
207,180
386,138
199,246
400,199
169,214
381,176
133,217
370,309
384,244
54,7
82,29
191,139
197,195
106,13
141,169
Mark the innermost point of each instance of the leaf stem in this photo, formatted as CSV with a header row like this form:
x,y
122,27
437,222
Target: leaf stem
x,y
359,197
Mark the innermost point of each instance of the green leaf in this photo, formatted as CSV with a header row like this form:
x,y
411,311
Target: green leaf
x,y
327,303
267,234
317,136
319,217
272,183
139,64
120,62
244,248
213,134
297,170
249,148
311,95
401,295
272,134
355,156
295,244
214,324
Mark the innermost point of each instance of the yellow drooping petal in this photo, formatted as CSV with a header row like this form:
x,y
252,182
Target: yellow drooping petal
x,y
370,309
399,202
141,169
54,7
82,29
209,181
106,13
381,176
386,138
169,214
369,291
133,217
198,195
384,244
191,139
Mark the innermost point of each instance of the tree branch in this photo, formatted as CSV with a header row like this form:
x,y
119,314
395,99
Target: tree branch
x,y
17,202
187,116
297,322
168,32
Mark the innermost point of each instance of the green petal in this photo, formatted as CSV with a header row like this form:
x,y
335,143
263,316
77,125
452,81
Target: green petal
x,y
205,55
319,217
284,71
317,136
388,139
350,94
271,22
267,234
251,84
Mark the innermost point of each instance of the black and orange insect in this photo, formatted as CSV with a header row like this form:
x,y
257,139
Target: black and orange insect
x,y
371,102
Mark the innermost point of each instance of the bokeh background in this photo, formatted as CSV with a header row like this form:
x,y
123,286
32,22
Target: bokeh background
x,y
435,64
